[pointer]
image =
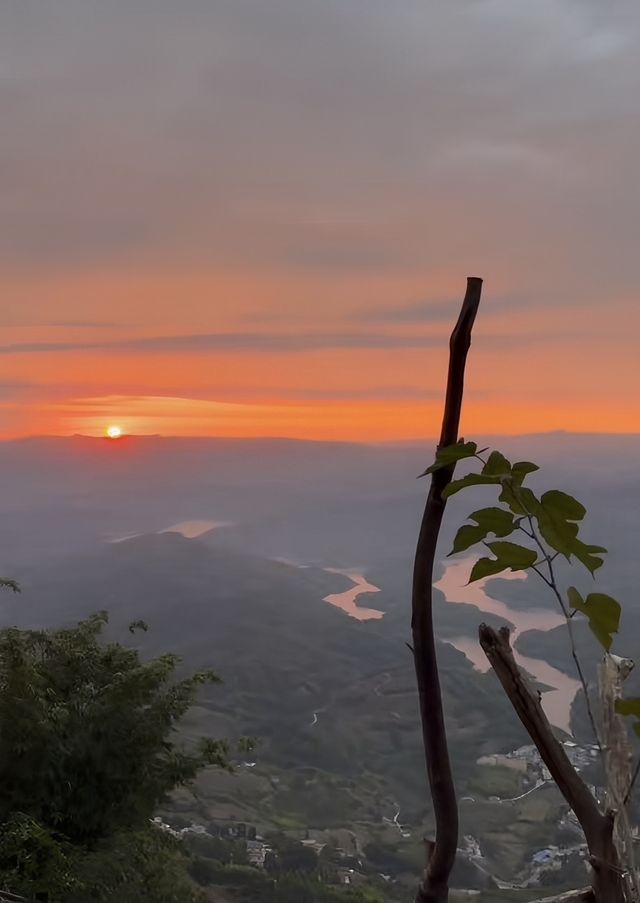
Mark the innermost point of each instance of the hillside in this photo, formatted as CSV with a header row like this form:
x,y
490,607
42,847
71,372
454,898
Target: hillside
x,y
331,699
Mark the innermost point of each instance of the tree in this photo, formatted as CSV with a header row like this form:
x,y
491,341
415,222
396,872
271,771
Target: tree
x,y
441,854
551,526
88,751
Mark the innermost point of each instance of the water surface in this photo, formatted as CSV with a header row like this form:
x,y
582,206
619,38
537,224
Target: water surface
x,y
347,600
453,583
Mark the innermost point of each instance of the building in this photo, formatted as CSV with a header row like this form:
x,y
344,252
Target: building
x,y
257,852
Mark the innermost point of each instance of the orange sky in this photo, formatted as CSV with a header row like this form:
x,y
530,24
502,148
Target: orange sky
x,y
262,225
523,374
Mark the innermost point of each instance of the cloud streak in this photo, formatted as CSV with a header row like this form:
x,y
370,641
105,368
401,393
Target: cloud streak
x,y
440,311
268,343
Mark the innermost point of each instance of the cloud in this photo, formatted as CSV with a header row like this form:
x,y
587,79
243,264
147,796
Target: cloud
x,y
85,324
439,311
241,123
228,392
275,343
233,341
11,387
175,165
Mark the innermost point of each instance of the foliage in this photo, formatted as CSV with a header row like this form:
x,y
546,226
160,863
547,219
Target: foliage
x,y
33,860
288,888
217,848
289,856
87,753
132,866
550,524
203,871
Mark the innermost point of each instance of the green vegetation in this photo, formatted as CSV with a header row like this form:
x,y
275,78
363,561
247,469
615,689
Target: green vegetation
x,y
87,753
347,772
252,886
551,524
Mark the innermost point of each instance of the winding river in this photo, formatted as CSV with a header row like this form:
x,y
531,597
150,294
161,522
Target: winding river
x,y
562,688
347,600
557,700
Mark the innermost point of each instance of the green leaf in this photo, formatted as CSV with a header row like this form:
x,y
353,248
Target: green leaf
x,y
450,454
602,611
509,556
494,520
557,533
471,479
520,500
467,536
497,465
575,599
520,470
486,567
606,609
589,556
558,523
518,558
563,505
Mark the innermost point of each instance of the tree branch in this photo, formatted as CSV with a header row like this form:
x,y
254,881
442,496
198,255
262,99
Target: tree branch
x,y
608,885
441,856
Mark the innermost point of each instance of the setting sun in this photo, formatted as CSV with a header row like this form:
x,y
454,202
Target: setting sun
x,y
114,432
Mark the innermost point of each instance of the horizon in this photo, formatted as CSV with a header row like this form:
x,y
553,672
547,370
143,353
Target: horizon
x,y
124,436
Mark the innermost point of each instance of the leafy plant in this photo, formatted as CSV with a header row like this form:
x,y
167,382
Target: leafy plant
x,y
88,750
547,527
550,523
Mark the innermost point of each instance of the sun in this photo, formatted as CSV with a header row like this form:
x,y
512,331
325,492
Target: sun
x,y
114,432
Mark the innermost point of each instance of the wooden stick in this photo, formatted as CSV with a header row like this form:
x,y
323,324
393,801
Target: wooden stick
x,y
608,883
441,855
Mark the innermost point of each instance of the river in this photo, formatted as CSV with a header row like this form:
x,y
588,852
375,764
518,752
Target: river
x,y
453,584
347,600
558,699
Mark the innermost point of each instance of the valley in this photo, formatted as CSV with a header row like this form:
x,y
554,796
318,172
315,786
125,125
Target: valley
x,y
322,677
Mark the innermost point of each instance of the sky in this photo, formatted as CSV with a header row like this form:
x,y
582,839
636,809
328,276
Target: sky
x,y
256,217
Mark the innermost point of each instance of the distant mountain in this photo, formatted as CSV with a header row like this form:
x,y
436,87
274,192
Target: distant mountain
x,y
339,504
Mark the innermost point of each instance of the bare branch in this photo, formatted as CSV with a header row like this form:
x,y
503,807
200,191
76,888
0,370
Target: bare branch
x,y
608,883
441,856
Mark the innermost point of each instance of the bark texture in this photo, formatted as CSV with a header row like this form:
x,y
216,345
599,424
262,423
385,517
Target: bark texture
x,y
440,855
608,882
617,760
